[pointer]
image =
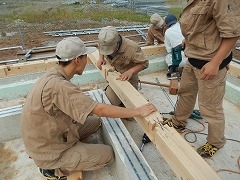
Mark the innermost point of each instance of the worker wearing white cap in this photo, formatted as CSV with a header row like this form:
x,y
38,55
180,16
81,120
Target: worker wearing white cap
x,y
124,55
156,30
55,118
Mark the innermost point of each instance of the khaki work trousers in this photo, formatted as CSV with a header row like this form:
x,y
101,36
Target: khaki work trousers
x,y
210,100
111,95
83,156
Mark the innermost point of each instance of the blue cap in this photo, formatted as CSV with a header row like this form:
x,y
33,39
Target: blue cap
x,y
170,19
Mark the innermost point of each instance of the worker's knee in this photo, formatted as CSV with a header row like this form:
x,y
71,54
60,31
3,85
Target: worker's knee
x,y
99,155
107,155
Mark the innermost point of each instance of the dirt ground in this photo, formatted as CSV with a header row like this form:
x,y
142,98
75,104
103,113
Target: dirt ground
x,y
33,36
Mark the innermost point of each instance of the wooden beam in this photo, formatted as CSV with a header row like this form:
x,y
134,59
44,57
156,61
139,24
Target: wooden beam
x,y
173,89
154,50
26,67
234,69
43,65
180,156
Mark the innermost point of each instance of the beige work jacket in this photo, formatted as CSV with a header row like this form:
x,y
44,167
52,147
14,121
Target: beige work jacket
x,y
205,23
129,55
50,113
156,33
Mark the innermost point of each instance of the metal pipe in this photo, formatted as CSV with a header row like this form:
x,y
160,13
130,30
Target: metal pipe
x,y
21,37
13,47
9,61
94,31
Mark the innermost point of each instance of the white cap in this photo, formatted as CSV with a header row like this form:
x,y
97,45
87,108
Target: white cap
x,y
72,47
107,40
156,19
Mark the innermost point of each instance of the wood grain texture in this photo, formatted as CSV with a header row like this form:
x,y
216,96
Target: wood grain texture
x,y
180,156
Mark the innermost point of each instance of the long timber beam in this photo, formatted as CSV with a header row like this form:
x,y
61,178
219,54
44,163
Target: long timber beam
x,y
43,65
26,67
234,69
180,156
156,64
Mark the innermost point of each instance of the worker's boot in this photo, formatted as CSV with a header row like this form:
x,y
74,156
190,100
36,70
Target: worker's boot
x,y
169,122
170,70
49,174
207,150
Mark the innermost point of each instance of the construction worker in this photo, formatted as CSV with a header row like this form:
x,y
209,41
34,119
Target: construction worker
x,y
156,30
173,42
211,29
55,117
124,55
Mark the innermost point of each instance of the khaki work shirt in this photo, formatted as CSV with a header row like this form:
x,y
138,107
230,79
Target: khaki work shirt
x,y
205,23
156,33
50,115
129,55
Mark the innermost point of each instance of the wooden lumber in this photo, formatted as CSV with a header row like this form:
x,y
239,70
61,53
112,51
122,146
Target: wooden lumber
x,y
42,65
26,67
180,156
173,89
154,50
234,69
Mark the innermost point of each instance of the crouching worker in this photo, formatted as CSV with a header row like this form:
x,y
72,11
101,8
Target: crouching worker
x,y
124,55
156,30
55,117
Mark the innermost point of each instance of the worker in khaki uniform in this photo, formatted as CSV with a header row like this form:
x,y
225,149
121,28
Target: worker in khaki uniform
x,y
156,30
211,29
55,117
124,55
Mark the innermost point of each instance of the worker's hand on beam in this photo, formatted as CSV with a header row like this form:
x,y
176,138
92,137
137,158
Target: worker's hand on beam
x,y
100,62
146,109
126,75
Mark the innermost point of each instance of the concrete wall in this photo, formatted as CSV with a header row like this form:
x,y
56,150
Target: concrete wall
x,y
13,87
